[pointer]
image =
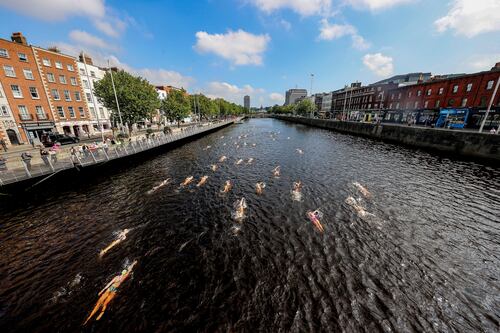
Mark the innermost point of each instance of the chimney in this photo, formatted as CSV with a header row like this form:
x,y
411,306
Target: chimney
x,y
54,49
88,60
497,66
17,37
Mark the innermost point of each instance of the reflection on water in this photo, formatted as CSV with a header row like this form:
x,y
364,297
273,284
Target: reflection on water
x,y
418,251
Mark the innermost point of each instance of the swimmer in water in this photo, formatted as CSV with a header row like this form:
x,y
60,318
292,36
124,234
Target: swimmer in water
x,y
240,206
362,190
213,167
227,186
222,159
296,191
109,292
122,235
259,187
239,161
250,160
357,207
203,180
207,147
253,144
187,181
276,171
315,217
157,187
299,151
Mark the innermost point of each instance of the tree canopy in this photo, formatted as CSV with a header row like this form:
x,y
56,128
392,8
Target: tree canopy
x,y
176,106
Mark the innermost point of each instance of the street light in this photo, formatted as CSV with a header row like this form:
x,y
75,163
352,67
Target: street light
x,y
312,79
116,97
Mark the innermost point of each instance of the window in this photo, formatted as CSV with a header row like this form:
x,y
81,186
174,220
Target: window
x,y
399,96
4,53
81,112
397,105
407,105
419,93
92,111
455,88
92,73
429,92
469,87
28,74
101,112
67,96
392,96
4,110
73,81
77,96
483,101
9,71
70,68
464,102
86,84
438,102
416,105
489,85
16,91
22,57
46,62
60,111
50,77
451,102
39,112
426,104
82,71
62,79
34,93
441,90
59,65
71,112
409,94
89,99
55,95
23,113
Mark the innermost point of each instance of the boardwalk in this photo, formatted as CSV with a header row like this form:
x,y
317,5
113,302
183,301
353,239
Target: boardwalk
x,y
17,170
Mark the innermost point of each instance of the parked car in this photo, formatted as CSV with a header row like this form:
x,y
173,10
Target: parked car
x,y
63,139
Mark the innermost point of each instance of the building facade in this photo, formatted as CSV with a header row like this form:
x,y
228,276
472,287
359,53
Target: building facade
x,y
100,116
246,102
24,91
9,131
293,95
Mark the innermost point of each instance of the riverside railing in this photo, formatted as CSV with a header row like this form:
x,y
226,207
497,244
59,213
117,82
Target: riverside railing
x,y
16,169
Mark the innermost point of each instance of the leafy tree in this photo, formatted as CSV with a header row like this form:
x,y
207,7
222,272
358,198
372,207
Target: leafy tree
x,y
176,106
137,98
305,107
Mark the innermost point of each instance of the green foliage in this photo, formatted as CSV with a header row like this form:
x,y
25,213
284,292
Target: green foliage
x,y
176,106
305,107
137,98
281,109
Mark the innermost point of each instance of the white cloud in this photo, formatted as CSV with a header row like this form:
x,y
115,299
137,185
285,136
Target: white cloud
x,y
379,64
374,5
333,31
471,17
56,10
277,98
302,7
285,24
483,62
84,38
165,77
239,47
113,28
235,94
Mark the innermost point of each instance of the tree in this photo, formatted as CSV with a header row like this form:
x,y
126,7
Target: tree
x,y
305,107
137,98
176,106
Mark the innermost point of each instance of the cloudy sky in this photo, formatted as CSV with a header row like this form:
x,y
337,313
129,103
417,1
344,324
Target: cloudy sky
x,y
230,48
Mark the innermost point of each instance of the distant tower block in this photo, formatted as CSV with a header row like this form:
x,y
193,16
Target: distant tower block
x,y
246,102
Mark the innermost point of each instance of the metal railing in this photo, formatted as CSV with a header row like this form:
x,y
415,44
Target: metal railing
x,y
15,169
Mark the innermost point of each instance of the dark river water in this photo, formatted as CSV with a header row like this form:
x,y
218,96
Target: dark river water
x,y
424,258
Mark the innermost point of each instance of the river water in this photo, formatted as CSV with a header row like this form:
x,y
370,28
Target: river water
x,y
425,257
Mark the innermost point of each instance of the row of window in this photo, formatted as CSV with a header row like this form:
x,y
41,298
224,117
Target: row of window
x,y
24,113
468,88
437,103
67,95
21,56
62,79
46,62
82,72
28,75
71,112
17,92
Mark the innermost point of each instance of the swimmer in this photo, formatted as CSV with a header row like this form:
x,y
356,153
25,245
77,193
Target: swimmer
x,y
109,292
203,180
207,147
239,206
222,159
187,181
155,188
239,161
244,144
315,217
288,138
122,235
259,187
222,137
362,190
296,191
250,160
276,171
357,207
253,144
299,151
224,144
213,167
227,186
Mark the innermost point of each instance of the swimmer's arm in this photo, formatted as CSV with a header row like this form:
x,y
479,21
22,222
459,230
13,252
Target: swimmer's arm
x,y
107,286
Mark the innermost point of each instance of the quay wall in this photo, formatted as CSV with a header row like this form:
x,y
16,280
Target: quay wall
x,y
484,146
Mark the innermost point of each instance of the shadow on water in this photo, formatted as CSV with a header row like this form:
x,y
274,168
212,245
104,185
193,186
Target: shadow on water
x,y
424,257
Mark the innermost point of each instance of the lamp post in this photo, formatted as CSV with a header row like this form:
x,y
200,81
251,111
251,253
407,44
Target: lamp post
x,y
116,97
312,96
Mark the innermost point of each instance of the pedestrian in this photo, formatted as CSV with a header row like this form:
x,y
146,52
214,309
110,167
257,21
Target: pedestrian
x,y
4,145
26,157
44,154
53,155
493,130
3,163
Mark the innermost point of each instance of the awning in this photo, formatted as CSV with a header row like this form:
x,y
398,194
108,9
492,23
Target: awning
x,y
38,126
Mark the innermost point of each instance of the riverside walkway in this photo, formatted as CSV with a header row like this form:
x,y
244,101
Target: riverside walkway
x,y
17,170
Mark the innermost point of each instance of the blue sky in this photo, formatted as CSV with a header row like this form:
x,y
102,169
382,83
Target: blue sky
x,y
230,48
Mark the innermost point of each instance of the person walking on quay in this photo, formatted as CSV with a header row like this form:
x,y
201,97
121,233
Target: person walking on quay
x,y
53,155
3,164
44,154
26,157
4,145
